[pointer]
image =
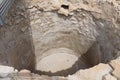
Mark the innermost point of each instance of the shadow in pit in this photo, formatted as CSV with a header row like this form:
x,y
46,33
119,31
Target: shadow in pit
x,y
16,43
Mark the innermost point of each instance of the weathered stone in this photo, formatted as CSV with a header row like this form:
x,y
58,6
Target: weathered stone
x,y
116,66
94,73
24,71
109,77
52,5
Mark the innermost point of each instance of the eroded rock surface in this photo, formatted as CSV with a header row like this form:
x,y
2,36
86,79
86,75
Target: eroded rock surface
x,y
116,64
94,73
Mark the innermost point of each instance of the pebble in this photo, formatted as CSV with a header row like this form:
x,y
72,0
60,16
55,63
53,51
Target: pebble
x,y
25,71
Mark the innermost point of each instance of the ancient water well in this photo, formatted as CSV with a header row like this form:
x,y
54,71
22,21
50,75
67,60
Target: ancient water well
x,y
52,42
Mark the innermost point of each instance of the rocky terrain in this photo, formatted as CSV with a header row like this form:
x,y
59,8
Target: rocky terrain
x,y
61,40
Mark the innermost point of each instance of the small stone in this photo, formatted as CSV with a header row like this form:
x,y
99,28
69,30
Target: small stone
x,y
116,65
71,13
37,21
109,77
25,71
63,11
33,9
23,29
62,78
16,70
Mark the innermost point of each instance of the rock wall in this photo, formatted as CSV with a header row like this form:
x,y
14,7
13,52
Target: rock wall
x,y
16,46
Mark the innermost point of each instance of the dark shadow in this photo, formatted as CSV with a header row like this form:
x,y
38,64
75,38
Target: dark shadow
x,y
65,6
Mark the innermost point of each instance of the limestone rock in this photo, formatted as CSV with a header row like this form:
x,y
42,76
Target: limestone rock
x,y
52,5
109,77
24,71
116,66
94,73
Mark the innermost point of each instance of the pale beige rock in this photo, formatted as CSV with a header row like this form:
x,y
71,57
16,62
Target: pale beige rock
x,y
116,66
51,5
25,71
94,73
109,77
63,11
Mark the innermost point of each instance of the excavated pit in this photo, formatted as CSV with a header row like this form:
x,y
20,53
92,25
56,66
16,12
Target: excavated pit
x,y
66,64
24,48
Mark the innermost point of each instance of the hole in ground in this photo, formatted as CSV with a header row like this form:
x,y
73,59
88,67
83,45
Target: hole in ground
x,y
91,58
65,6
87,60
